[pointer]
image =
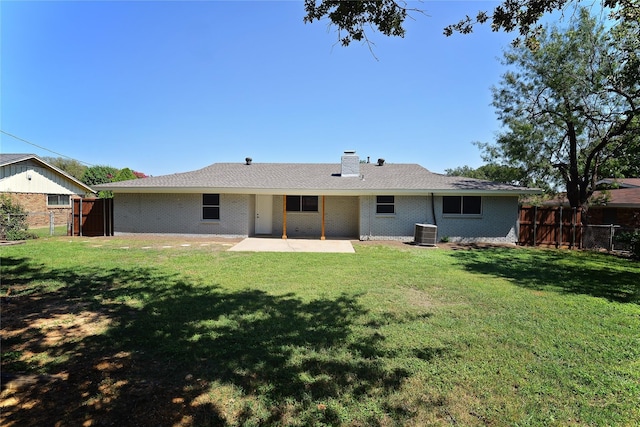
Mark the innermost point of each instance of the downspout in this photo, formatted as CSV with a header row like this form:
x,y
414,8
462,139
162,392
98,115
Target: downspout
x,y
433,210
369,213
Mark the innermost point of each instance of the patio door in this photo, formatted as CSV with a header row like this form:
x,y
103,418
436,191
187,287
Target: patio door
x,y
264,214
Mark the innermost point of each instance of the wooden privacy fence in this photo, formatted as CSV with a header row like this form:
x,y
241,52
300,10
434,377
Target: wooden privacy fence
x,y
92,217
550,226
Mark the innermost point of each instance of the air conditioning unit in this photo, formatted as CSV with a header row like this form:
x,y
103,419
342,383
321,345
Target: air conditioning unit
x,y
425,235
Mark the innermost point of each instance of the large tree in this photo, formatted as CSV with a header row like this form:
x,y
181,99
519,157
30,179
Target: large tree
x,y
353,18
571,106
71,166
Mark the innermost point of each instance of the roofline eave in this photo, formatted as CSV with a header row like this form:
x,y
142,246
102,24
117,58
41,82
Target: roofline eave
x,y
318,191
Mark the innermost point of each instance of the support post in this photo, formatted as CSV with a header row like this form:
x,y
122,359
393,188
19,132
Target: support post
x,y
322,237
284,216
51,223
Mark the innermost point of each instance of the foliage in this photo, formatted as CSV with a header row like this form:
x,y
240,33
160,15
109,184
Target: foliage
x,y
631,238
568,108
100,174
13,220
70,166
494,172
124,174
352,18
390,335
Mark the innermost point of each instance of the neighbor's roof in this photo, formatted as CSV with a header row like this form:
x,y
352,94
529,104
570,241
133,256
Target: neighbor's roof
x,y
621,182
306,178
619,198
12,158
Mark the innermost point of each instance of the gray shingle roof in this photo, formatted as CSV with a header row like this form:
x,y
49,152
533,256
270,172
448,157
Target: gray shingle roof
x,y
305,178
7,159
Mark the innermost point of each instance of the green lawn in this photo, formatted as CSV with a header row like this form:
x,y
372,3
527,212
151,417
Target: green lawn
x,y
134,333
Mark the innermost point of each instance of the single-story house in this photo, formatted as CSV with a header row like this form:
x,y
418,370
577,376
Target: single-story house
x,y
350,199
40,188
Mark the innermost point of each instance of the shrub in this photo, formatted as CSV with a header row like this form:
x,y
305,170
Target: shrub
x,y
13,220
631,238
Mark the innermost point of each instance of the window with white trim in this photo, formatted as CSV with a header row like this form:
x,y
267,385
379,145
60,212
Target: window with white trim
x,y
210,206
462,205
385,204
302,203
58,200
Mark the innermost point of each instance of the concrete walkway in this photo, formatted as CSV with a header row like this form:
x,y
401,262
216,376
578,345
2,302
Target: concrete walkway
x,y
257,244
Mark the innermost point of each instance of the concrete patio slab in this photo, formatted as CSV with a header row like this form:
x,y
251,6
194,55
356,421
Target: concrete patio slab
x,y
257,244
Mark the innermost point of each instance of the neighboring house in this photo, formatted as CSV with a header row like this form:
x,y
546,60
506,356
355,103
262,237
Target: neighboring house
x,y
616,202
39,187
345,200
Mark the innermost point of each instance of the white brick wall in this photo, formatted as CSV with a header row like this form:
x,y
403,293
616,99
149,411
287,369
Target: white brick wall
x,y
180,214
344,217
409,210
341,219
497,224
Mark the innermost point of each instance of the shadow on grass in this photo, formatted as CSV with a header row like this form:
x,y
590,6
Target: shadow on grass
x,y
173,352
598,275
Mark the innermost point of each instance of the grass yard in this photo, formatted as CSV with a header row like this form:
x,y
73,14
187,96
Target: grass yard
x,y
109,331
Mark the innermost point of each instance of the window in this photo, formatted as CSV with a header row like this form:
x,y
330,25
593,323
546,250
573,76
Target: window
x,y
302,203
210,206
385,205
58,200
462,205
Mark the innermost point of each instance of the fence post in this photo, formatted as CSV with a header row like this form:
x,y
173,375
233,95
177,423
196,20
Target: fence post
x,y
51,223
535,225
560,237
573,227
611,231
80,219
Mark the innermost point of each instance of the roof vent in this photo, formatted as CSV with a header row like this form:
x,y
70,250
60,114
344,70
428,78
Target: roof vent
x,y
248,160
350,164
380,162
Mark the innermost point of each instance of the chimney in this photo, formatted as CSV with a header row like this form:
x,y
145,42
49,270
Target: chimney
x,y
350,164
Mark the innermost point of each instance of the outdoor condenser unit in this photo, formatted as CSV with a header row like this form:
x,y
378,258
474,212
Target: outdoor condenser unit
x,y
425,234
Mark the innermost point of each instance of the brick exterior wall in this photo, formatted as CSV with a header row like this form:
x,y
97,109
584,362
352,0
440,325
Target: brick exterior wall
x,y
340,219
409,210
35,204
497,224
352,217
180,214
625,217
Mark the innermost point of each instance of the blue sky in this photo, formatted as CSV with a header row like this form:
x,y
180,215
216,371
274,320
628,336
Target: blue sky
x,y
164,87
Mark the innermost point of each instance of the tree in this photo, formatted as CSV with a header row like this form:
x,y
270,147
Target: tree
x,y
352,18
124,175
570,106
493,172
100,174
70,166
